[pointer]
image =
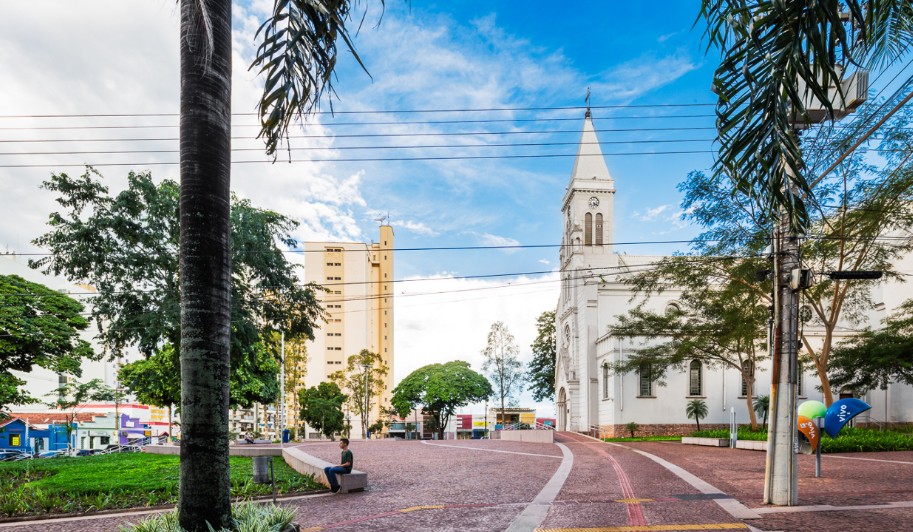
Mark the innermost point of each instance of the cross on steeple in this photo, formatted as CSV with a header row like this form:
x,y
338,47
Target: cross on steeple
x,y
587,100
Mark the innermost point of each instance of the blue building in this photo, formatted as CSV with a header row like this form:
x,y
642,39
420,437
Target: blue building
x,y
17,434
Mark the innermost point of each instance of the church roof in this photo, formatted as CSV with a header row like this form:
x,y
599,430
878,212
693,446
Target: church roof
x,y
590,162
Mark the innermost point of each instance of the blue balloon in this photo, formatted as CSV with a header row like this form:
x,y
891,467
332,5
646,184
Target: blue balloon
x,y
840,413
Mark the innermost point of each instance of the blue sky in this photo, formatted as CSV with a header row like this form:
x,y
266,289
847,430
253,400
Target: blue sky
x,y
110,56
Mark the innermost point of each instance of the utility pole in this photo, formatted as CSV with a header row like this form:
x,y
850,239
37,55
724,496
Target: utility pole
x,y
781,478
364,420
281,421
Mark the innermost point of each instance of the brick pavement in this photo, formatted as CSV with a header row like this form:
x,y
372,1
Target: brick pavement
x,y
844,482
492,488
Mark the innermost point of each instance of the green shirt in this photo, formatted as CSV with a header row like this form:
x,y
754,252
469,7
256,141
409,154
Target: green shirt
x,y
347,457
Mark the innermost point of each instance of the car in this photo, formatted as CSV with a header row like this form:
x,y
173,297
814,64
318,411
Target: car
x,y
8,455
52,454
87,452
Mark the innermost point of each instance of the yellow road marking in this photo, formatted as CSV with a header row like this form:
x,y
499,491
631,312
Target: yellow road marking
x,y
633,501
414,508
647,528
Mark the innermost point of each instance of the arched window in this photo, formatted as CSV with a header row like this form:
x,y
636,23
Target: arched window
x,y
646,380
588,230
747,368
694,378
672,308
598,228
605,380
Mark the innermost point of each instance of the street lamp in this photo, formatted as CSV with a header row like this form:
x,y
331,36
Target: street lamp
x,y
348,425
367,401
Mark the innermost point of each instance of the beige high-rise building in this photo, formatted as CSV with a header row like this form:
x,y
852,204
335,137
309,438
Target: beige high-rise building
x,y
359,310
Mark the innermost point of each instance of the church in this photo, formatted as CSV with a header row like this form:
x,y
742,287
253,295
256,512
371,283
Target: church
x,y
588,395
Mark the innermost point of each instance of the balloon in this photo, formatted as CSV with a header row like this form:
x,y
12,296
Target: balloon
x,y
812,409
840,413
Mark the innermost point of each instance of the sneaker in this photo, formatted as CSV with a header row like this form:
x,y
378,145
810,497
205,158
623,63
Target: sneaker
x,y
334,490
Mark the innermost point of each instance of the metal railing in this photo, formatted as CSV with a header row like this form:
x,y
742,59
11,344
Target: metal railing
x,y
596,431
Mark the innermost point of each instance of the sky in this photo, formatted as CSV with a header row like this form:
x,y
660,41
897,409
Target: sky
x,y
121,57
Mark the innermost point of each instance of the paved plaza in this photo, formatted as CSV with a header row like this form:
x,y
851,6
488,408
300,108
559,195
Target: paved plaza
x,y
580,484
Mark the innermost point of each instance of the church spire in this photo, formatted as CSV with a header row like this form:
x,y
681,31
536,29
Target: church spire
x,y
590,163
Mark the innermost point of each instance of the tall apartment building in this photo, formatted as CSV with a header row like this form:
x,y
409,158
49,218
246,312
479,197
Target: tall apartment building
x,y
359,310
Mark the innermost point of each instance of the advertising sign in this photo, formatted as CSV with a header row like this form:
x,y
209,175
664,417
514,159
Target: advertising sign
x,y
478,423
840,413
810,432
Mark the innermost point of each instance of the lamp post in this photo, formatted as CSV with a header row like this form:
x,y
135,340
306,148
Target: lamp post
x,y
367,401
486,416
348,430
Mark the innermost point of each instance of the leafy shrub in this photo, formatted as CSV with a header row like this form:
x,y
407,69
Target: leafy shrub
x,y
850,440
247,516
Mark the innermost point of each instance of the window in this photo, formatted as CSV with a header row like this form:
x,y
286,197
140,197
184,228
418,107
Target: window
x,y
588,230
747,368
337,292
646,380
338,321
672,308
599,229
339,349
15,440
694,378
385,350
329,348
799,383
330,362
385,276
329,264
385,325
605,381
339,362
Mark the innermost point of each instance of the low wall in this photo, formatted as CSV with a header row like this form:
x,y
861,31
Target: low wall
x,y
529,436
306,464
670,429
233,450
709,442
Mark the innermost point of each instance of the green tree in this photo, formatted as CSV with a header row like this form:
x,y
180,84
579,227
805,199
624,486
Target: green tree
x,y
127,247
73,396
502,365
761,407
297,55
696,409
352,379
875,358
541,372
768,48
39,327
719,323
852,229
321,408
632,428
439,390
296,359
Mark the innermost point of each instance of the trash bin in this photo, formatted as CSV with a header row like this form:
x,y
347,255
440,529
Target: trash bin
x,y
261,470
285,433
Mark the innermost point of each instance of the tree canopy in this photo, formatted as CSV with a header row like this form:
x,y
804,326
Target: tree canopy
x,y
352,379
321,408
439,390
39,327
875,358
126,246
502,365
775,56
541,370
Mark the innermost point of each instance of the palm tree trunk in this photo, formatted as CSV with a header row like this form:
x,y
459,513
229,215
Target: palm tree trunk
x,y
205,488
697,420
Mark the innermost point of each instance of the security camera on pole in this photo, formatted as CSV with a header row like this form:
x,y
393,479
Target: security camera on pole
x,y
781,478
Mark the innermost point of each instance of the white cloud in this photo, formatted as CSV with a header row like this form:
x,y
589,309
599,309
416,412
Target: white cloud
x,y
651,214
639,76
666,37
543,261
495,240
455,324
415,227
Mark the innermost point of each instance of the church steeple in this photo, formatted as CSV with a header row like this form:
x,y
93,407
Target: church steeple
x,y
589,163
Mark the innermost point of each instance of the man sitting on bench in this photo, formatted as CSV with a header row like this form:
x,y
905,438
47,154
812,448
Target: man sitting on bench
x,y
248,438
344,468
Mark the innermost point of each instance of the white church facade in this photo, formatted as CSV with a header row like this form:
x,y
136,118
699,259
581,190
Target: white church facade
x,y
588,394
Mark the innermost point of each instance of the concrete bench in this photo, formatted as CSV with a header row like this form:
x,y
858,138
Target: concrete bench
x,y
751,445
244,442
710,442
306,464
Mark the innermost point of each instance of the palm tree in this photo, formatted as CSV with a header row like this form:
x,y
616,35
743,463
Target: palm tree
x,y
768,47
298,54
696,409
762,407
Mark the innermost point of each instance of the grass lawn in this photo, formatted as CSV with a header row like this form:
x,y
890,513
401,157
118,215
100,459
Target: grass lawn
x,y
648,438
119,481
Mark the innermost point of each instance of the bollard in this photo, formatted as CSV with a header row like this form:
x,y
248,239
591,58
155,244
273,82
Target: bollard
x,y
820,423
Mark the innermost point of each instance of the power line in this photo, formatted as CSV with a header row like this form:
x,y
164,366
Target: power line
x,y
418,146
392,111
373,159
338,124
372,135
